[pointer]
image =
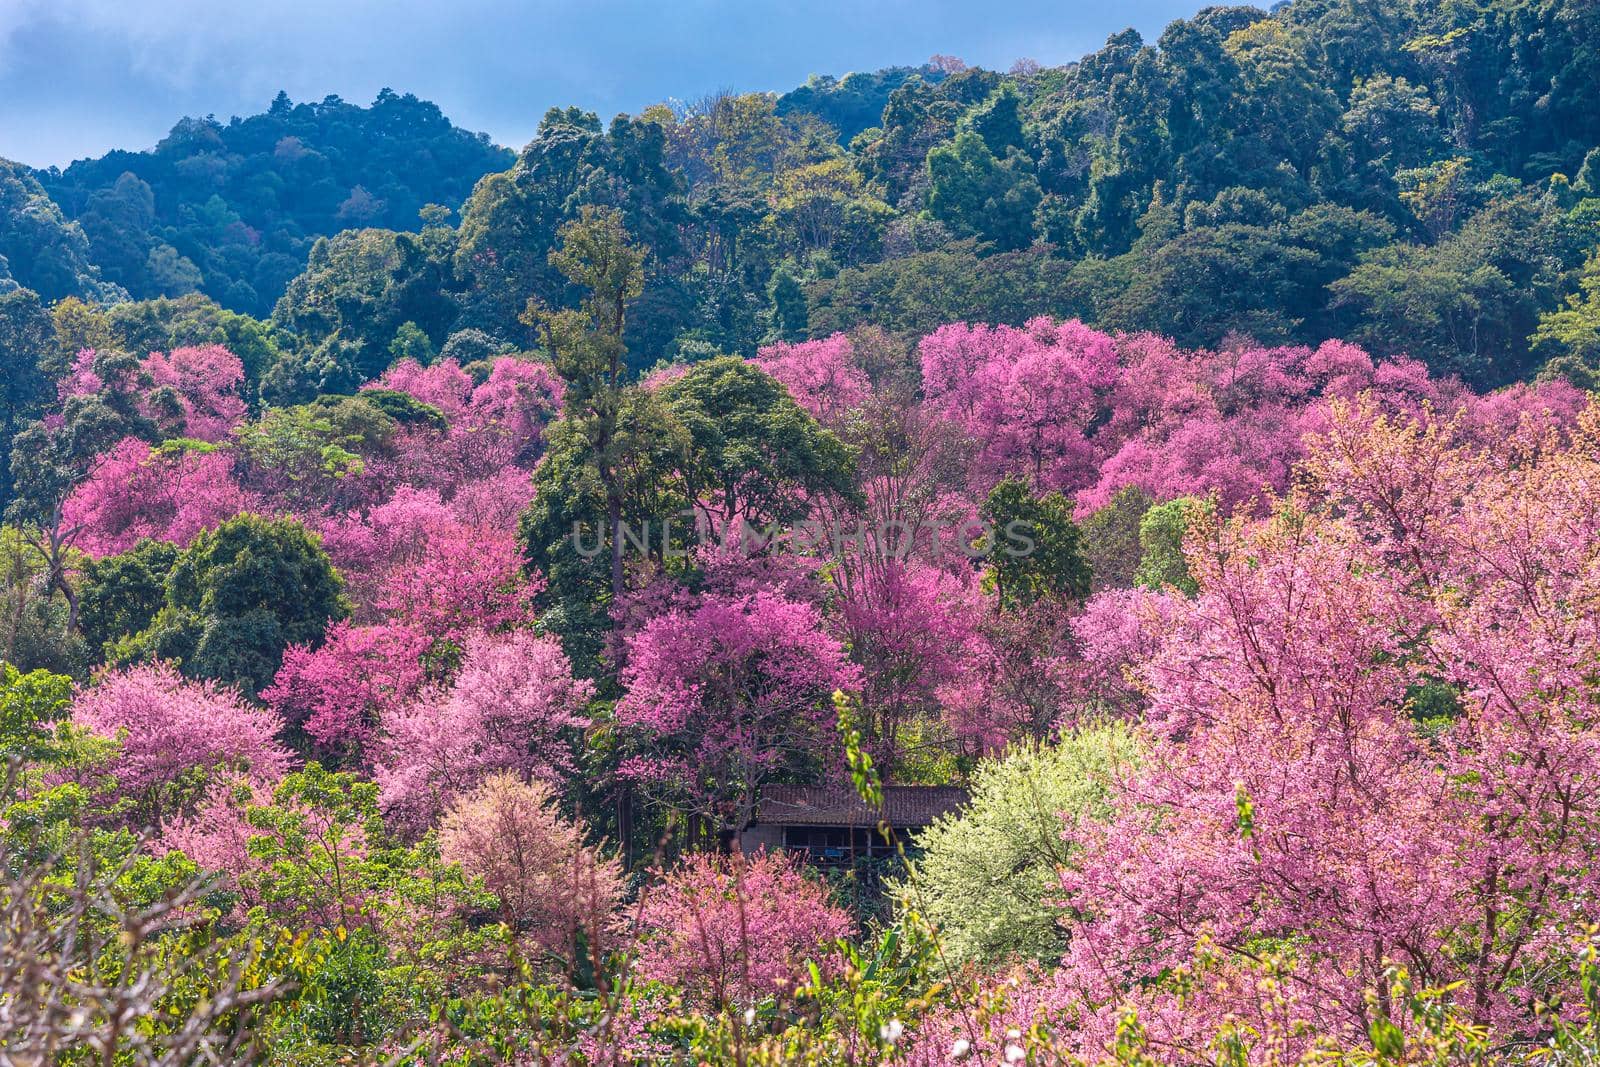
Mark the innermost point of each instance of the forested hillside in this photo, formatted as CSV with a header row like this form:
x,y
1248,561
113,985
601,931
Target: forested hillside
x,y
1417,178
230,210
1082,565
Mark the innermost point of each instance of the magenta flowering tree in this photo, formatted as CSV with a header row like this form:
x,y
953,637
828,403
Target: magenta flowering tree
x,y
514,707
1114,637
495,501
915,631
822,376
174,735
1233,422
492,426
726,695
336,694
415,559
169,494
730,930
506,415
1229,422
1027,397
206,382
1070,408
442,384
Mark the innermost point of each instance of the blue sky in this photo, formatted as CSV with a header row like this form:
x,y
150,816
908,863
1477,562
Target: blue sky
x,y
78,77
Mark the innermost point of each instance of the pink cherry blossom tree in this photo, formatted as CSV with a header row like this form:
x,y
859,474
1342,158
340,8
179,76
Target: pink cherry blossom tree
x,y
491,426
1027,397
337,693
207,383
1368,745
169,494
822,376
726,695
172,730
514,707
554,888
915,631
414,558
731,930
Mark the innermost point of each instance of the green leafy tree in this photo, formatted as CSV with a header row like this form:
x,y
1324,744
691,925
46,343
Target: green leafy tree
x,y
34,632
754,454
788,298
309,453
975,191
918,293
385,924
572,166
320,845
49,460
586,346
27,340
235,207
410,342
121,594
31,706
237,597
1038,550
359,291
564,531
1213,280
1161,534
1468,303
1569,338
1111,539
40,249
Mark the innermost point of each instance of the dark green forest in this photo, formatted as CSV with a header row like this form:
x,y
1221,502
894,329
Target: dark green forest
x,y
1418,178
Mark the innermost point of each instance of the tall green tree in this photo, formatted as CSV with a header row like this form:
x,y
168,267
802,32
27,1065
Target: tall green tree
x,y
1037,551
1569,338
754,454
977,192
587,348
27,339
49,459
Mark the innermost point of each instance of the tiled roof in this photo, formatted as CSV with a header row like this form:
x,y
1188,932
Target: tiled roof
x,y
827,805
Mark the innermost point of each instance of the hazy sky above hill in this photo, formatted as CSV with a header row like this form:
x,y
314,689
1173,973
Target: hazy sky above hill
x,y
78,77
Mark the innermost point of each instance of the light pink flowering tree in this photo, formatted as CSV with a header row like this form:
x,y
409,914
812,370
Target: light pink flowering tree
x,y
492,426
554,888
514,707
174,735
915,630
1371,745
731,930
822,376
1026,396
416,559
